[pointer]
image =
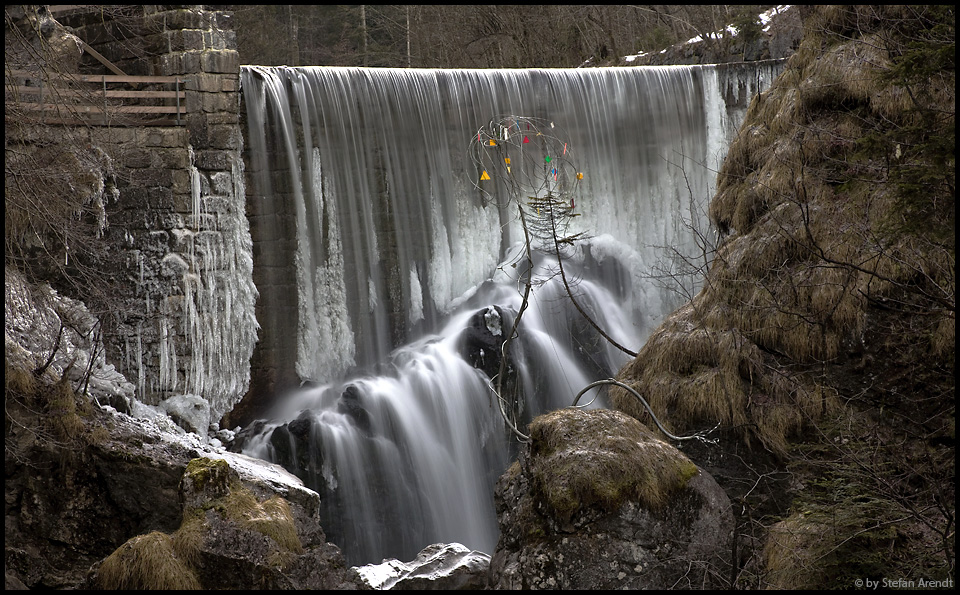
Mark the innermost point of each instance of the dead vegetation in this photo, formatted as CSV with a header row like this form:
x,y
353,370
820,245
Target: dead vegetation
x,y
831,297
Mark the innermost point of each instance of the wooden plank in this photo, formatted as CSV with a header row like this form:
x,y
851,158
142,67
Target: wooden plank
x,y
95,78
93,109
100,58
47,91
61,8
100,122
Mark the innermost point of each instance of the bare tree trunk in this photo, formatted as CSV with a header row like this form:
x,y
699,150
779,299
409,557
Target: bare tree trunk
x,y
409,58
363,32
294,43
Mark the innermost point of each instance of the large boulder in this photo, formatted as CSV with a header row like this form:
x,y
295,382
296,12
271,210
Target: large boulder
x,y
597,501
230,538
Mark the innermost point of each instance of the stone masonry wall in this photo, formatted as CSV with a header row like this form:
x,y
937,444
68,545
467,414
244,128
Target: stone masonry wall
x,y
273,228
180,226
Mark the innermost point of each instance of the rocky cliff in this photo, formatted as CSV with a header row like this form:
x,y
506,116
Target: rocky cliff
x,y
823,340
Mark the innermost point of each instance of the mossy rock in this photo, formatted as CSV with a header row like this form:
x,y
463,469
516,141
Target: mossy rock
x,y
210,484
597,501
600,458
219,514
205,474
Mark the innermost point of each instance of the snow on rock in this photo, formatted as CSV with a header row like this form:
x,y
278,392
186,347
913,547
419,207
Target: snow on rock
x,y
39,322
492,319
438,566
162,434
191,412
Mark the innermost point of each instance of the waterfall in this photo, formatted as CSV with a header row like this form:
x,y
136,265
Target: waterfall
x,y
406,279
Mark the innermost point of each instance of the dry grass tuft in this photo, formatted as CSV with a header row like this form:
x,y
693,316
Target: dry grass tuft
x,y
147,562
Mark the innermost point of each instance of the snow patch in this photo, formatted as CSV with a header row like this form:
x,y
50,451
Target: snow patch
x,y
492,319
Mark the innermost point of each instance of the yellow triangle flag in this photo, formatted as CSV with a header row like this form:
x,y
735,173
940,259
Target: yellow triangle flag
x,y
485,176
507,159
493,143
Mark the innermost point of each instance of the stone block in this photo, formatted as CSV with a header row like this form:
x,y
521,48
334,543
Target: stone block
x,y
193,39
214,39
220,102
224,136
172,158
133,197
177,19
165,137
170,64
160,198
202,81
183,202
220,61
126,135
214,159
153,177
191,62
182,239
181,182
156,241
230,83
229,38
223,20
136,158
218,204
221,183
194,103
232,117
198,130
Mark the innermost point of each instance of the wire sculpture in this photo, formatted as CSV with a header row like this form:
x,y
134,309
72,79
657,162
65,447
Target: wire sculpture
x,y
523,159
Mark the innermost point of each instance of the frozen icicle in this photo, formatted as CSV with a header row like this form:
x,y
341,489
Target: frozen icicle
x,y
416,297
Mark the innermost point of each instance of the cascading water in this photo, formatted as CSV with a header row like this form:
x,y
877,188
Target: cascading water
x,y
408,281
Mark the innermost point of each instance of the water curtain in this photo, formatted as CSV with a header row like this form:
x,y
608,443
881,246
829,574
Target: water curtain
x,y
408,276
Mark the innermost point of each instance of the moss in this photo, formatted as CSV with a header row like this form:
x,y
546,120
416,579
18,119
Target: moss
x,y
204,473
513,470
844,533
62,411
695,377
17,380
582,459
147,562
229,498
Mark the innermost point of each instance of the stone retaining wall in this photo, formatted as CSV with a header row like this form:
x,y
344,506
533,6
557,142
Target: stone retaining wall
x,y
179,226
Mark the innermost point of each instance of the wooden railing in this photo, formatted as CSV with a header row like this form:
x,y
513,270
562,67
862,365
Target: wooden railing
x,y
98,100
